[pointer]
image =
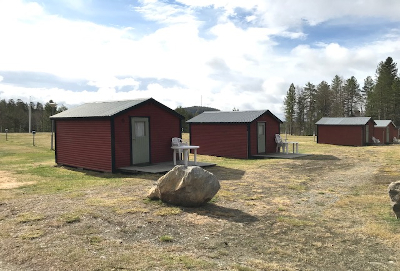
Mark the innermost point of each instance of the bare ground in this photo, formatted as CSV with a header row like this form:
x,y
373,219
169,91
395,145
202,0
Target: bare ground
x,y
321,212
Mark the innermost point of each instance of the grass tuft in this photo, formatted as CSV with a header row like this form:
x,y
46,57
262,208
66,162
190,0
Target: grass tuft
x,y
166,211
29,217
166,238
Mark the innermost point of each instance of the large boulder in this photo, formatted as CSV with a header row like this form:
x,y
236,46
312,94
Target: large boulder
x,y
186,186
394,194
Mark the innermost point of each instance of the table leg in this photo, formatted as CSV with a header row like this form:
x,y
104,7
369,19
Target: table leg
x,y
297,147
174,158
195,154
186,157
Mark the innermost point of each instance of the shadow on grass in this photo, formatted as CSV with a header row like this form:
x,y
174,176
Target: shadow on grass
x,y
318,157
224,173
119,175
220,212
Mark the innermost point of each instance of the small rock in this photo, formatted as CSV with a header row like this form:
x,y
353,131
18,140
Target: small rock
x,y
394,194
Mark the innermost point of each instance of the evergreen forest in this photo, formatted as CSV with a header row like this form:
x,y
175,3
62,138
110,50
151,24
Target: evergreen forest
x,y
378,97
14,116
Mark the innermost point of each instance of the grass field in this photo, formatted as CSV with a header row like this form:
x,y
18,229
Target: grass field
x,y
326,211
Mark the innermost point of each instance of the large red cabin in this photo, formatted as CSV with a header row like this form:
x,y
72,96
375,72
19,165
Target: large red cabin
x,y
106,136
349,131
385,131
234,134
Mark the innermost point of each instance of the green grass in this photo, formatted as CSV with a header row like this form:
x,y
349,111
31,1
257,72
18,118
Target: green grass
x,y
29,217
270,214
166,238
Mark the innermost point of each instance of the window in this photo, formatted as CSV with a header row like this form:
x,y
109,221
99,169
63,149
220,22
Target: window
x,y
261,130
140,130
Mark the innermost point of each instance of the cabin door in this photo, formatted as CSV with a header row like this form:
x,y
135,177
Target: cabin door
x,y
261,137
140,140
387,134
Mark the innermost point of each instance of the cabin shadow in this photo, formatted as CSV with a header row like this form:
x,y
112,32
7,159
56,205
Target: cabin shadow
x,y
109,175
215,211
224,173
318,157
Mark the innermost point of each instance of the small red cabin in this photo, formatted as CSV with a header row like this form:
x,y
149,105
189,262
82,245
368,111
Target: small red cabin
x,y
106,136
385,131
234,134
350,131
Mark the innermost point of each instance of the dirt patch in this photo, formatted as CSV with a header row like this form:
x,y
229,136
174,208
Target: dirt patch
x,y
8,181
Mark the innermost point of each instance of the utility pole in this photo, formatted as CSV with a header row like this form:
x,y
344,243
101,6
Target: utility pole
x,y
30,115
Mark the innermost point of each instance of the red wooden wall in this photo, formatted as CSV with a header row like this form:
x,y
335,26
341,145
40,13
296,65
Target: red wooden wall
x,y
272,127
87,142
227,140
231,139
164,125
84,143
380,133
346,135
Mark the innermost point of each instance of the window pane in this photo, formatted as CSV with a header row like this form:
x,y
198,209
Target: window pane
x,y
261,130
140,128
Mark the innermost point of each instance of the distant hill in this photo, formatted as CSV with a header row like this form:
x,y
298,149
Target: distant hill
x,y
190,112
196,110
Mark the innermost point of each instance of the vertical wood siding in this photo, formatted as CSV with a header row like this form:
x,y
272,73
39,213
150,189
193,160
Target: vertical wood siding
x,y
380,133
272,127
84,143
164,125
227,140
371,132
394,132
342,135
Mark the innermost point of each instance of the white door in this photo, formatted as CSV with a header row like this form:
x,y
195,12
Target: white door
x,y
140,140
261,137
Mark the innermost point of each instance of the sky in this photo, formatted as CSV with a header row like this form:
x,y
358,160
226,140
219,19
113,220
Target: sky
x,y
226,54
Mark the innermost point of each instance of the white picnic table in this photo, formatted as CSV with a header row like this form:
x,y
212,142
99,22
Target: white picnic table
x,y
295,146
185,149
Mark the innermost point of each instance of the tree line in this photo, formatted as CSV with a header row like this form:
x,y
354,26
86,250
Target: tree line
x,y
379,98
14,116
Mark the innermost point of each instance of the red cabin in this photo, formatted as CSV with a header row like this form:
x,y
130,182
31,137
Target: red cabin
x,y
350,131
106,136
385,131
234,134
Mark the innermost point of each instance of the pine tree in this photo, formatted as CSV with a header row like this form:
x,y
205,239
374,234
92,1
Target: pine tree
x,y
301,101
366,94
323,101
395,117
310,94
290,106
352,97
337,97
383,91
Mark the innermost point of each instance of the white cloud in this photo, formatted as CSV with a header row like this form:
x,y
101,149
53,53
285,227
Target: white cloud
x,y
241,67
113,82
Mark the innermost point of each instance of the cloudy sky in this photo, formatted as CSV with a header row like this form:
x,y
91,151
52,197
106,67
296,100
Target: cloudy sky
x,y
220,53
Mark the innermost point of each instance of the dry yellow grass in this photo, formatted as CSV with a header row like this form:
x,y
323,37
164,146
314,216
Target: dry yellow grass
x,y
326,211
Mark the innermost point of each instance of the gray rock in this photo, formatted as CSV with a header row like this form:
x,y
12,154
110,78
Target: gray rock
x,y
186,186
394,194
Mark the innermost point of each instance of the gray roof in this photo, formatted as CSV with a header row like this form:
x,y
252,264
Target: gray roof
x,y
383,123
344,121
229,116
98,109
